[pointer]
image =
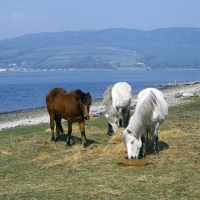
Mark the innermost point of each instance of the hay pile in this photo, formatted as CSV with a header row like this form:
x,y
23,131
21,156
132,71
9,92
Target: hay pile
x,y
43,156
174,133
93,153
115,149
2,152
98,152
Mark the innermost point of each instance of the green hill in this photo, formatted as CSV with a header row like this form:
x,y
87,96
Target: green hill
x,y
110,49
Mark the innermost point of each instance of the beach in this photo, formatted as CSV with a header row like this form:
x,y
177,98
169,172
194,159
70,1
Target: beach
x,y
174,95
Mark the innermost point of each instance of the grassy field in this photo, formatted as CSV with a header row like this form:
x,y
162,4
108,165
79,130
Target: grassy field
x,y
31,167
71,56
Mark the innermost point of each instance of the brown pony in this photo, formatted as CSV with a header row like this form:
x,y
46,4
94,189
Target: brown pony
x,y
73,106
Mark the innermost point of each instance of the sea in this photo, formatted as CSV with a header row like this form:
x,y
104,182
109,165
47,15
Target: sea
x,y
27,90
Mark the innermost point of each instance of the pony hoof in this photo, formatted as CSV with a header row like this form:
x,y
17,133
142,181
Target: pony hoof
x,y
156,153
57,139
109,134
85,145
140,157
68,146
87,118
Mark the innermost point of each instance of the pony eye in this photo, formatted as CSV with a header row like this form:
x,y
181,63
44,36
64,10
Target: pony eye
x,y
132,142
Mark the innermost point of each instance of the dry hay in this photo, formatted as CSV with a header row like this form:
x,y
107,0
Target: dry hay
x,y
21,139
196,166
43,156
174,133
2,152
116,138
134,162
64,128
114,149
56,163
142,178
95,152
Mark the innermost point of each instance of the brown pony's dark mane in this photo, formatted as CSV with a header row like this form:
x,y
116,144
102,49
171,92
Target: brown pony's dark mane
x,y
84,97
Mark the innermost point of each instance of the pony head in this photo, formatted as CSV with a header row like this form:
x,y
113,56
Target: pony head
x,y
132,143
86,101
113,124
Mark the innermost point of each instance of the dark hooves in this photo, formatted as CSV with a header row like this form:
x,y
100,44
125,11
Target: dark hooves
x,y
53,139
57,139
140,157
85,145
109,134
156,153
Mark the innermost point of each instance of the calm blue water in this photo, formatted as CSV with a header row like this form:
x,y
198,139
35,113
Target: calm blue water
x,y
25,90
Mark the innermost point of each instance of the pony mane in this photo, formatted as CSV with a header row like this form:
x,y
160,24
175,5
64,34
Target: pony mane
x,y
107,98
143,113
85,97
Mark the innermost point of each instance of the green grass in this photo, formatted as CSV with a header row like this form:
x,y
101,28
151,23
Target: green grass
x,y
31,167
72,56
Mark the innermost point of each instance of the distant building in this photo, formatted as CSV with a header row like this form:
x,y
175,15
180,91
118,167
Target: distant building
x,y
2,70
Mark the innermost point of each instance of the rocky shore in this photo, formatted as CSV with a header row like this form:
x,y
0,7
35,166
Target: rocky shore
x,y
174,95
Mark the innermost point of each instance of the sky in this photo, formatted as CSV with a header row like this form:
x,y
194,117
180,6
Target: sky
x,y
20,17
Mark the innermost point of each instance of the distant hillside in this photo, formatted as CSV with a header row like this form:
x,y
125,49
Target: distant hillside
x,y
109,49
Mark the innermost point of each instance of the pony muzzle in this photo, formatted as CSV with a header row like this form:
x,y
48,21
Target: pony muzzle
x,y
87,117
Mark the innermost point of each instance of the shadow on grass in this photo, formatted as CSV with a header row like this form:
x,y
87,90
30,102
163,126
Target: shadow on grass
x,y
161,146
75,140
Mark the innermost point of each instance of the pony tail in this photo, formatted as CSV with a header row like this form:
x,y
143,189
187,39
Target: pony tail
x,y
107,98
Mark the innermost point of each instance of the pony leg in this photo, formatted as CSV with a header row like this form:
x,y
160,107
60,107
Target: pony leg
x,y
120,117
126,115
51,115
155,139
69,133
146,139
82,130
59,127
142,153
120,122
149,139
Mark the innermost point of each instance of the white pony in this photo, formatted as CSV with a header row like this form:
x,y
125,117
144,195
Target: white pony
x,y
117,101
150,111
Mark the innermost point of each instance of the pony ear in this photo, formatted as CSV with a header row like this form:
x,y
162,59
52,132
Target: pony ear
x,y
88,94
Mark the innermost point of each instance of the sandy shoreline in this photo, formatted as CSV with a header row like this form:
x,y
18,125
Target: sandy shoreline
x,y
174,95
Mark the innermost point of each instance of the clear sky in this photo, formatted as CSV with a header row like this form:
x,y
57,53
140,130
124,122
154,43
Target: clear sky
x,y
20,17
